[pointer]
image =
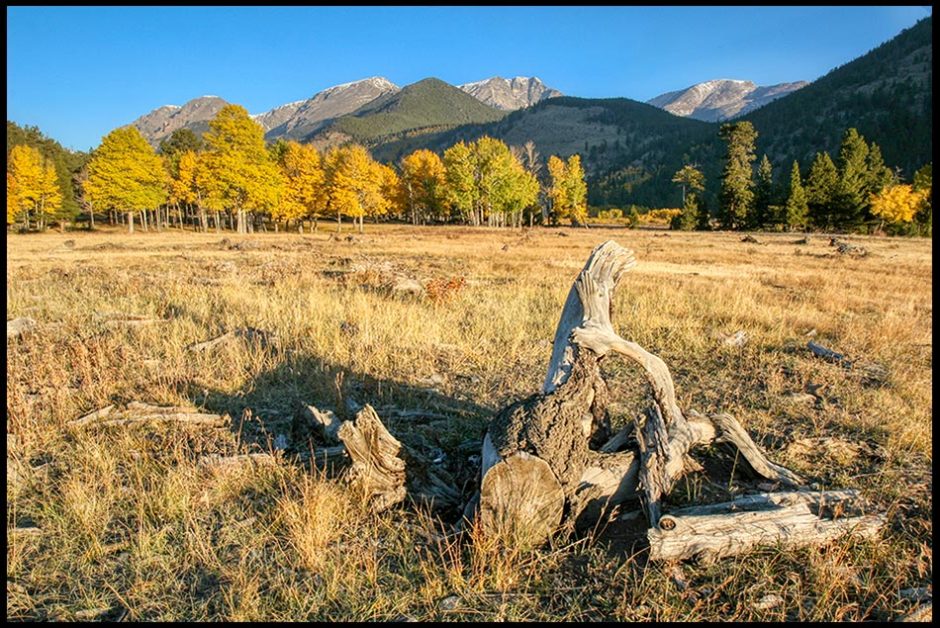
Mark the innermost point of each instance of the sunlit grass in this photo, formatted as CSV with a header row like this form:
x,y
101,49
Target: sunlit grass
x,y
130,524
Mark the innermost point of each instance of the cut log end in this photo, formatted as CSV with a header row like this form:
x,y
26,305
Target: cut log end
x,y
521,501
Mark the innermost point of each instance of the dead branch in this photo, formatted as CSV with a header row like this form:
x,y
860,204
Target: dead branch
x,y
139,412
218,461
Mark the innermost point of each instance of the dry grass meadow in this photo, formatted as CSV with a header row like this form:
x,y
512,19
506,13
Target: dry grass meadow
x,y
124,523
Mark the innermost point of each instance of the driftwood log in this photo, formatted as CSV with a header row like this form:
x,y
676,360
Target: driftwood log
x,y
539,470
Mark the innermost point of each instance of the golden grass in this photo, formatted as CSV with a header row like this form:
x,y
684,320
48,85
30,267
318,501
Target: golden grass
x,y
131,526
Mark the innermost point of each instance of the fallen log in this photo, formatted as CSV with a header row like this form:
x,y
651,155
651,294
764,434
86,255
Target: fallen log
x,y
139,412
788,519
870,372
91,417
263,337
847,248
190,418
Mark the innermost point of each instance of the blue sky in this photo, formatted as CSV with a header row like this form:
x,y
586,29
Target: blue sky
x,y
79,72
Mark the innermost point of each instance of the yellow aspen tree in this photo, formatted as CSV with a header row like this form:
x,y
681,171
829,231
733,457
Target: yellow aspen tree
x,y
125,174
354,184
24,177
576,190
241,174
303,183
556,190
49,194
423,184
896,203
461,192
12,199
389,184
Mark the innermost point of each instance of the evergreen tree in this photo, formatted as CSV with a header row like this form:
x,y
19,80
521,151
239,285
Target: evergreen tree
x,y
737,186
879,175
693,182
820,191
851,199
179,142
923,184
797,208
763,196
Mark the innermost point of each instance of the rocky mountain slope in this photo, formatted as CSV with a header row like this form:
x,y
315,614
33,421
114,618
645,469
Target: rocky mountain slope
x,y
160,123
428,106
721,99
510,94
298,120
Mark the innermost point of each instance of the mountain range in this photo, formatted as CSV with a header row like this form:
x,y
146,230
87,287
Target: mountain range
x,y
302,119
630,149
721,99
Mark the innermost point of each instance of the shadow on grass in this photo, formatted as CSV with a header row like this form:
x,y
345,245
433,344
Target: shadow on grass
x,y
266,413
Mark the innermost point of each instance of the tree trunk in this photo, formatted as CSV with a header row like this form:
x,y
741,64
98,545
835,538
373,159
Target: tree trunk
x,y
91,216
130,222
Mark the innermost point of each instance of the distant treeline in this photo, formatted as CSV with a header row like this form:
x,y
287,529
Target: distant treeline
x,y
231,179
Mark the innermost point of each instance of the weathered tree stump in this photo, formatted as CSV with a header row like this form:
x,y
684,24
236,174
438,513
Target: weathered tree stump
x,y
538,467
549,461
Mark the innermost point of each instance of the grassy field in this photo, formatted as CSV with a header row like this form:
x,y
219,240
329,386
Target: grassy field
x,y
110,523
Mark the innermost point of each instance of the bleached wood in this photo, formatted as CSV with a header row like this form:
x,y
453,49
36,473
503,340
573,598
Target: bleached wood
x,y
212,342
142,407
786,519
190,418
730,431
91,417
218,461
606,265
377,471
19,326
324,422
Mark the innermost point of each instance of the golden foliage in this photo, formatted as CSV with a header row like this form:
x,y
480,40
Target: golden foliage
x,y
897,203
